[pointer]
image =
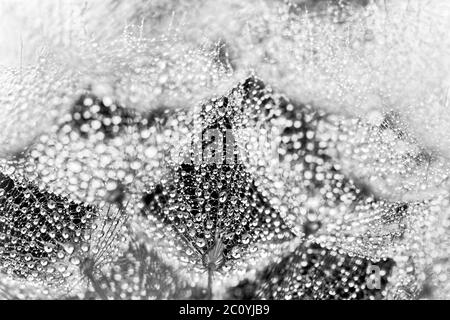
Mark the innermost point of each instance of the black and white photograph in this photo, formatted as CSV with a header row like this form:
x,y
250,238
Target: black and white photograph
x,y
242,151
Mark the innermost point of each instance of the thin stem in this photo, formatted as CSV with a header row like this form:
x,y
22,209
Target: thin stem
x,y
211,269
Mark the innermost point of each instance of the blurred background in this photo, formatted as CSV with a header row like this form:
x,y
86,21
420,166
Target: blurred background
x,y
348,56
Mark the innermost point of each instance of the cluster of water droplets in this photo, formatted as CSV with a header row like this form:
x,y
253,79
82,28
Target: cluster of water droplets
x,y
211,221
47,238
243,193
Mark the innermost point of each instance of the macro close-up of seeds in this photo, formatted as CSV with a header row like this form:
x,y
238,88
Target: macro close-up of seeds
x,y
225,150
